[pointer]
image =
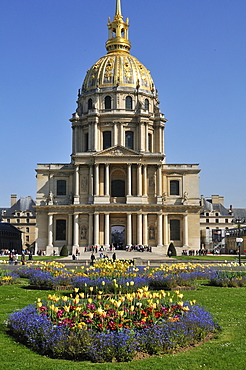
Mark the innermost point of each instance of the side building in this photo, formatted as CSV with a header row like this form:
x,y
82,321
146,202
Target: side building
x,y
118,187
22,215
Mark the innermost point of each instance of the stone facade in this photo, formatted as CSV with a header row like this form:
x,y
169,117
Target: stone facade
x,y
118,187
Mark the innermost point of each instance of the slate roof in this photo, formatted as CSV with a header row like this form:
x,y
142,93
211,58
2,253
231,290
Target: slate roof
x,y
8,227
23,204
217,207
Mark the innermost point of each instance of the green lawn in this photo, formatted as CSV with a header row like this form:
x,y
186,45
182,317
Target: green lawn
x,y
227,351
211,257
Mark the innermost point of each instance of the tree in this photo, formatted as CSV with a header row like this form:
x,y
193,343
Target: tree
x,y
171,250
64,251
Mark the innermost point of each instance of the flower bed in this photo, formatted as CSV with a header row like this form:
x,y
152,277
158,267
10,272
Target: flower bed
x,y
116,328
112,277
228,279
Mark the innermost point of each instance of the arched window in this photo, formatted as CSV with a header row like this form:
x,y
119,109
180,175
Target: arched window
x,y
89,104
174,187
129,139
146,104
118,188
61,187
106,139
107,102
128,102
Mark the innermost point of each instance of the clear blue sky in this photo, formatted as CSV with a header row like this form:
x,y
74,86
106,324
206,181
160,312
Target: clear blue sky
x,y
195,50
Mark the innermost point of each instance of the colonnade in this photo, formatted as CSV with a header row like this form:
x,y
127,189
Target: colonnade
x,y
141,237
97,177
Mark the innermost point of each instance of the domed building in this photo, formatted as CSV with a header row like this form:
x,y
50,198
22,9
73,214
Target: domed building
x,y
118,188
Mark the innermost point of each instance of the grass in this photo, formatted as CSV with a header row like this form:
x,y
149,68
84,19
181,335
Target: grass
x,y
227,351
211,258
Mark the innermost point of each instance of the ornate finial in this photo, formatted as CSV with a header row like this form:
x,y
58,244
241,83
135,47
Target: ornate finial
x,y
118,32
118,8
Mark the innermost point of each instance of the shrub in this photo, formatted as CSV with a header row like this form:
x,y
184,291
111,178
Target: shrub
x,y
171,250
64,251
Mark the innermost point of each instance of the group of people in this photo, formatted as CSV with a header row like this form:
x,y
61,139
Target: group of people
x,y
14,257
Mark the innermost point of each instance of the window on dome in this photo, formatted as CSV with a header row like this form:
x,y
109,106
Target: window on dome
x,y
61,187
106,139
89,104
128,102
174,187
129,139
146,104
107,102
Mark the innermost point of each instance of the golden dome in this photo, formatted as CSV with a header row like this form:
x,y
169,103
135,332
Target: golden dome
x,y
118,67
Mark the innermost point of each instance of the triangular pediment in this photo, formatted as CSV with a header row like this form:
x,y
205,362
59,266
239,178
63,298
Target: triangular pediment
x,y
118,150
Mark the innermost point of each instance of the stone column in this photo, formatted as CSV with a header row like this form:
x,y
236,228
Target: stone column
x,y
139,179
159,180
76,195
90,231
146,137
96,185
96,229
91,180
89,136
115,132
145,229
159,231
106,230
141,136
185,233
139,229
121,134
70,234
76,231
145,176
94,136
50,230
129,229
129,179
166,230
160,139
107,179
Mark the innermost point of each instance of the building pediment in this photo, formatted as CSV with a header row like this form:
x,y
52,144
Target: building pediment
x,y
117,151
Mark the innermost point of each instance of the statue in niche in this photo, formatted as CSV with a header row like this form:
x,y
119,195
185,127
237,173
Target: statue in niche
x,y
70,197
84,184
83,232
50,199
152,183
164,197
185,197
151,233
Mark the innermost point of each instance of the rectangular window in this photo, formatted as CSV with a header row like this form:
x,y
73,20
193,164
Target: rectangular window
x,y
175,229
174,187
61,187
27,229
106,139
129,139
150,143
60,229
27,238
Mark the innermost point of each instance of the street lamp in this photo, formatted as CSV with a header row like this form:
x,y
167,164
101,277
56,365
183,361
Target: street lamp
x,y
239,221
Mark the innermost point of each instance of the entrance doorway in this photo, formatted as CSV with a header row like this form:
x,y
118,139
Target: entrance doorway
x,y
118,236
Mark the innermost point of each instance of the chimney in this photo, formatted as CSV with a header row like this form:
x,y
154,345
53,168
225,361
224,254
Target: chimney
x,y
13,199
230,210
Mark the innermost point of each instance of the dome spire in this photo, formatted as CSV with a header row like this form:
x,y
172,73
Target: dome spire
x,y
118,8
118,32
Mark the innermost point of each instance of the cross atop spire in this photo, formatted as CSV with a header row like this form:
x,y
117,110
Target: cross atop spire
x,y
118,32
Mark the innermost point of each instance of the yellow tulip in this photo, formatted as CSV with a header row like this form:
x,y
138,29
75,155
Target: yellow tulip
x,y
89,300
76,290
